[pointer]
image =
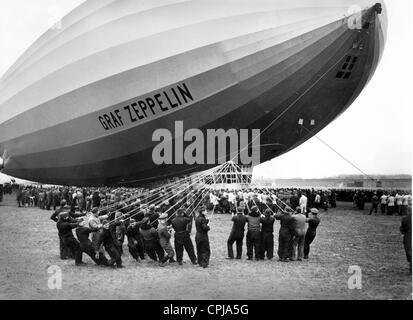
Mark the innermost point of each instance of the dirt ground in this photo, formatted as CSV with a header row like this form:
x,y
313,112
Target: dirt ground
x,y
29,246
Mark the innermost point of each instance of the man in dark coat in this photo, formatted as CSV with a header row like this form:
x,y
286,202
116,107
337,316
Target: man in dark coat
x,y
267,235
201,238
253,234
151,240
96,199
406,230
237,233
294,200
311,233
284,236
65,227
65,252
182,237
135,240
374,203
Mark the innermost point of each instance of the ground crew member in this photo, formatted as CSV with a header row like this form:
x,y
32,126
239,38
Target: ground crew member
x,y
253,234
284,236
313,223
65,226
82,234
267,235
182,238
237,233
298,228
201,238
65,253
151,240
135,241
164,239
107,236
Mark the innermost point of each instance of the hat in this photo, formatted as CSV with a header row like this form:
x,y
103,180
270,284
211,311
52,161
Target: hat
x,y
152,206
267,212
314,211
163,216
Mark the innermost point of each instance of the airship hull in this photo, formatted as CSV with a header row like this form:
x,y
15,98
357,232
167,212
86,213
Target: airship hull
x,y
89,119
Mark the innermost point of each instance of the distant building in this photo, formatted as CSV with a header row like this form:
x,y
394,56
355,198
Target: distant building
x,y
379,182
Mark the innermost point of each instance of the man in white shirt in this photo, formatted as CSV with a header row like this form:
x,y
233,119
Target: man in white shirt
x,y
406,200
390,204
303,204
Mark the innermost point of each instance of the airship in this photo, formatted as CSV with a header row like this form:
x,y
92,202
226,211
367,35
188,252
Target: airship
x,y
81,104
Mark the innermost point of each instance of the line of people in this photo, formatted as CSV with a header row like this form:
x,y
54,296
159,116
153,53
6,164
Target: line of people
x,y
294,237
148,231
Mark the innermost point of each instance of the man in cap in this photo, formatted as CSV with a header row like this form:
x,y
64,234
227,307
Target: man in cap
x,y
298,228
65,253
182,237
237,233
313,223
135,240
267,235
253,234
201,238
65,226
164,239
151,240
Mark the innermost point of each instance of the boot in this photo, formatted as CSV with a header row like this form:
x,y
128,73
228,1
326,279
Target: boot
x,y
164,261
171,260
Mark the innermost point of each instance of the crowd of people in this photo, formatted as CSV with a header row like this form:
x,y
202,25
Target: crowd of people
x,y
148,228
149,219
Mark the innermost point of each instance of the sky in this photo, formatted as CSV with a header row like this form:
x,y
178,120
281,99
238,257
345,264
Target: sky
x,y
374,133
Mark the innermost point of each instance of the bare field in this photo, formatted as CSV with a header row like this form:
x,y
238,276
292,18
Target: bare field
x,y
345,238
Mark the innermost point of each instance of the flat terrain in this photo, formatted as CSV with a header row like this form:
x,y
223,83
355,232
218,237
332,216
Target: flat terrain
x,y
345,238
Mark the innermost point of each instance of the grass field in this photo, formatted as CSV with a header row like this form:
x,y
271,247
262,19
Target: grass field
x,y
29,246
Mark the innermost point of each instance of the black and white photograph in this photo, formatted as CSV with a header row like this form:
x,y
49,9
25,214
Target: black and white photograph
x,y
206,150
